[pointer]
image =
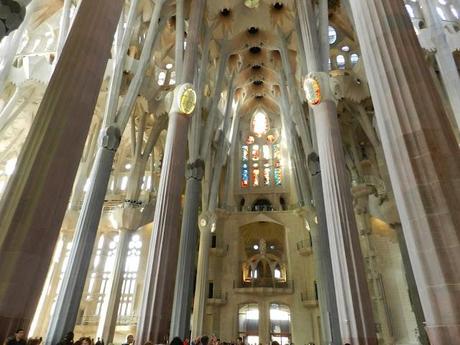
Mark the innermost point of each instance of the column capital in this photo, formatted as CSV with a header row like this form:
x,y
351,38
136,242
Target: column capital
x,y
195,170
361,194
307,212
314,164
110,138
130,218
317,88
207,220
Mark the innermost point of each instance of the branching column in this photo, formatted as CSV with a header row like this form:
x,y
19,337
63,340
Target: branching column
x,y
73,282
208,219
444,56
183,290
422,155
154,318
66,310
353,300
35,200
130,217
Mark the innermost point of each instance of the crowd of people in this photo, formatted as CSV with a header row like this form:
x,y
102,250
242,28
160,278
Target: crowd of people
x,y
20,338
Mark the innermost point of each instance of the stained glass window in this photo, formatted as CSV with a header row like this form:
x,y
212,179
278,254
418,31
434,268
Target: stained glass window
x,y
250,140
267,176
266,152
278,174
276,151
244,175
244,153
255,152
261,161
255,177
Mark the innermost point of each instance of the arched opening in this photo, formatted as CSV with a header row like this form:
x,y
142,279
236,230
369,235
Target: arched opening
x,y
248,323
242,202
262,205
280,323
283,204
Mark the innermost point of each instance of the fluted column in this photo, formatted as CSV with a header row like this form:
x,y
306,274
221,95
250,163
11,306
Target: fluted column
x,y
207,223
68,301
180,319
264,322
109,311
422,156
353,300
323,261
361,200
183,290
64,24
444,56
154,318
35,200
209,219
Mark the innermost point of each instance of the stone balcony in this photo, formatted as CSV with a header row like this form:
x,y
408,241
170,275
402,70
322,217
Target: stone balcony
x,y
264,287
218,298
219,251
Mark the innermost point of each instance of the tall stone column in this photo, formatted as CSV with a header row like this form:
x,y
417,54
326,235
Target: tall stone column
x,y
422,155
412,287
35,200
183,291
208,219
444,56
207,223
353,300
109,311
264,323
322,252
361,201
89,217
154,318
64,24
180,319
68,301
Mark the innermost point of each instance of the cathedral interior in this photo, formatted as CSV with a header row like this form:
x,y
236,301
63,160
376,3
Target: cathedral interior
x,y
281,171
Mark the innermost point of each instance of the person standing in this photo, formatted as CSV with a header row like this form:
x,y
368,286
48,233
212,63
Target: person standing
x,y
18,339
129,340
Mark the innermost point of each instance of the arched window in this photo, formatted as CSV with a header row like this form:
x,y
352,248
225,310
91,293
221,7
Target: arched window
x,y
340,61
280,323
124,183
332,35
248,323
161,78
128,288
354,58
277,273
260,123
